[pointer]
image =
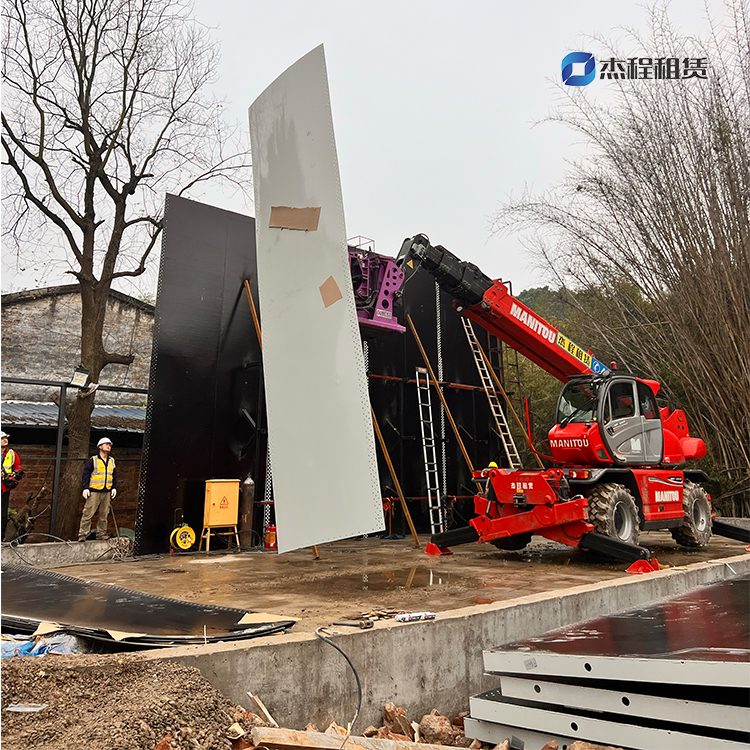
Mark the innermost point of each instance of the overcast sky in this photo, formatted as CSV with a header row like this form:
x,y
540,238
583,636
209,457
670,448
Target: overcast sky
x,y
434,105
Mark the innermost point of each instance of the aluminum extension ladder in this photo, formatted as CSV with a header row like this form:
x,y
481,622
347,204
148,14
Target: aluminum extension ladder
x,y
437,521
503,431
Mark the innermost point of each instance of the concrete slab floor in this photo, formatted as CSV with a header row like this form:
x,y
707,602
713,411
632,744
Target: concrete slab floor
x,y
356,576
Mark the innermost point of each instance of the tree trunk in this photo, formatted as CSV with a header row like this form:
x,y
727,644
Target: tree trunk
x,y
21,524
120,125
78,412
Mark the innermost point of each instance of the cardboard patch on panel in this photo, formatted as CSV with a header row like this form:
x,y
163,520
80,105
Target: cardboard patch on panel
x,y
287,217
121,635
45,628
255,618
329,291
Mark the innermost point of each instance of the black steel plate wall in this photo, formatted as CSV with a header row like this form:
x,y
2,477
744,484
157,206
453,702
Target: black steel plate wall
x,y
205,368
396,403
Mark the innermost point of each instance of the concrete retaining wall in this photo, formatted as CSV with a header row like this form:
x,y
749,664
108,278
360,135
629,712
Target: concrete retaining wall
x,y
54,554
422,665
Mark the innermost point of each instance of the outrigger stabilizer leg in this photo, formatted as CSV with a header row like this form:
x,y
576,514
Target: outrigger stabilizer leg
x,y
592,541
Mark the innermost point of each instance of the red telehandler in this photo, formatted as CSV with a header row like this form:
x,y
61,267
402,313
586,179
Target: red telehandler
x,y
621,456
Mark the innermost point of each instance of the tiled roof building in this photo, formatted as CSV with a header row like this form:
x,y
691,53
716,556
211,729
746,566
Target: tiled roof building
x,y
41,331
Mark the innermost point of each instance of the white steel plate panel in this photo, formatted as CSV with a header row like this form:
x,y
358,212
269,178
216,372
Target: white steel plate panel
x,y
322,447
628,703
635,669
589,729
494,734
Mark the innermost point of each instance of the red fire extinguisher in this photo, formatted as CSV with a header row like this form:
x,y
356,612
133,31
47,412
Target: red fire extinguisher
x,y
270,539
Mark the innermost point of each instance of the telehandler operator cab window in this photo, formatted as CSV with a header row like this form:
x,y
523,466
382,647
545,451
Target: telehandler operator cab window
x,y
621,400
578,403
646,398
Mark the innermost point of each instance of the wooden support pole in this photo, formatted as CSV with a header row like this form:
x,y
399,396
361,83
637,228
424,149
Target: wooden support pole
x,y
443,401
410,579
500,388
394,477
254,313
316,554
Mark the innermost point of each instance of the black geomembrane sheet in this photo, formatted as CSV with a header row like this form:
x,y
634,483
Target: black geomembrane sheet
x,y
93,609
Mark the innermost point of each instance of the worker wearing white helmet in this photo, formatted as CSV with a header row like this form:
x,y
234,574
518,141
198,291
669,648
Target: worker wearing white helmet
x,y
99,485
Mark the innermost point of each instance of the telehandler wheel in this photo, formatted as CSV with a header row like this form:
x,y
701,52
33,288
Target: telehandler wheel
x,y
613,512
519,541
696,529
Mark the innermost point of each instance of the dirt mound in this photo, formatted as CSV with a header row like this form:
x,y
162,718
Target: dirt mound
x,y
117,702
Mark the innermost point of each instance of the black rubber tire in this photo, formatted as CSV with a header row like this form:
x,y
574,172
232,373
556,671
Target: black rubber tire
x,y
519,541
696,529
613,512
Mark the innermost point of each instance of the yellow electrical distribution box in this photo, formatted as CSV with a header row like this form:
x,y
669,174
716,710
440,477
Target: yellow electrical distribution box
x,y
222,502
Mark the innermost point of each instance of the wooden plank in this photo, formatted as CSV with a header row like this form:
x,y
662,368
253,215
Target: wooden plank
x,y
262,710
292,739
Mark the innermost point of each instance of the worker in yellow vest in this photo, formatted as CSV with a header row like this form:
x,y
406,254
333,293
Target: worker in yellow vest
x,y
99,489
11,476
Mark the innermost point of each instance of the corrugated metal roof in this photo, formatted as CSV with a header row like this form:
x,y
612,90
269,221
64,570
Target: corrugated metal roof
x,y
111,417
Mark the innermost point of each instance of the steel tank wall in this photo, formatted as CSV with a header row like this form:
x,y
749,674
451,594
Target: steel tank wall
x,y
396,403
205,375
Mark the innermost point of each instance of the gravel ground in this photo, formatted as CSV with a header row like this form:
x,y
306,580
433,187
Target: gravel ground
x,y
113,702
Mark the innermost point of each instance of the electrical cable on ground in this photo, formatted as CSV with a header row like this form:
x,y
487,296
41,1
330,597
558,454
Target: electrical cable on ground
x,y
121,553
253,545
15,543
122,546
356,677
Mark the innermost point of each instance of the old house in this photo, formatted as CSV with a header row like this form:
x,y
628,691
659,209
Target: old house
x,y
41,342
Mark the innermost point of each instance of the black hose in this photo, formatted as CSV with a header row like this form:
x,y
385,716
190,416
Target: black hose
x,y
356,676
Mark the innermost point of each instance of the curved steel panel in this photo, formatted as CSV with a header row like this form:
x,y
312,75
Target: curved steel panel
x,y
320,432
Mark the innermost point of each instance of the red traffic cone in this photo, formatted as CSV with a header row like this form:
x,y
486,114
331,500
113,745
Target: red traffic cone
x,y
433,549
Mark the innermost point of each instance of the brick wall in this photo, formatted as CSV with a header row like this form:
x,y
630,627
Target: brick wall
x,y
38,464
41,333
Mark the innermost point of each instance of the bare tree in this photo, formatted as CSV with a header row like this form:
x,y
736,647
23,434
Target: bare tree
x,y
103,113
652,229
